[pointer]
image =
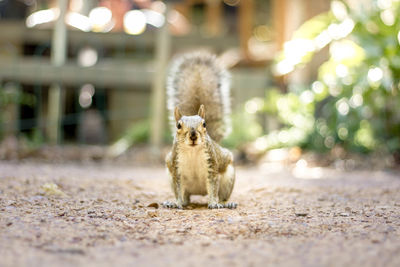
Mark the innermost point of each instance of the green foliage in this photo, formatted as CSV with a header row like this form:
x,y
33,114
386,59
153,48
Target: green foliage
x,y
356,99
313,27
245,128
10,95
33,140
16,97
293,112
138,133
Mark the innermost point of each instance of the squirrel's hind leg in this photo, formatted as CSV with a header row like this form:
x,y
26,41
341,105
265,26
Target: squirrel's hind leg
x,y
226,186
186,199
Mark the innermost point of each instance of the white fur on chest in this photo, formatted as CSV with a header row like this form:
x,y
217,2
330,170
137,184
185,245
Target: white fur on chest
x,y
193,169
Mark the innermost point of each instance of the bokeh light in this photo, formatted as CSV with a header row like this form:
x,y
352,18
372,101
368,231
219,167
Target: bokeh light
x,y
154,18
100,19
342,106
375,74
356,100
343,133
85,96
341,70
307,97
134,22
87,57
41,17
384,4
398,37
339,10
253,105
387,17
78,21
317,87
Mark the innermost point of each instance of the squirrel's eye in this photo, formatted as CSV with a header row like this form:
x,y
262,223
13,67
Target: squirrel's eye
x,y
204,124
178,125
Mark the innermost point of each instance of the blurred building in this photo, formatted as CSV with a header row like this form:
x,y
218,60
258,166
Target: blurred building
x,y
109,56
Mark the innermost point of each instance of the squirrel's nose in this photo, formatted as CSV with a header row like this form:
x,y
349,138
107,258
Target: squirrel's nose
x,y
193,135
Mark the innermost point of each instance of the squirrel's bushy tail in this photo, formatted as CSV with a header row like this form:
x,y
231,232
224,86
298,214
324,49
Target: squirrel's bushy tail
x,y
195,79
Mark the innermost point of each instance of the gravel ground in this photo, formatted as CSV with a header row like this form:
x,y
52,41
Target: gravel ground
x,y
101,215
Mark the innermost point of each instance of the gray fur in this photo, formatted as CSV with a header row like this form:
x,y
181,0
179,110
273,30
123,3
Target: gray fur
x,y
219,175
197,164
196,79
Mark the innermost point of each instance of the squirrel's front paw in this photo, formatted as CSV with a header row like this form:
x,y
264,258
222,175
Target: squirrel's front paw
x,y
215,206
231,205
171,205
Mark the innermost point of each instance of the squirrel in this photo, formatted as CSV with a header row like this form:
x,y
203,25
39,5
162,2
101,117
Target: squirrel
x,y
199,105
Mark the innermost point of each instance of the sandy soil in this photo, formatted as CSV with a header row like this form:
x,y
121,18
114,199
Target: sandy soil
x,y
102,215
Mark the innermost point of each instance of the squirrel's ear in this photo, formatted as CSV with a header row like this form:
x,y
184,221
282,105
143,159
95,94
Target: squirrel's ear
x,y
202,112
177,114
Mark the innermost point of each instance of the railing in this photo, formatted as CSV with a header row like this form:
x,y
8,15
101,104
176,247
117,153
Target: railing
x,y
107,73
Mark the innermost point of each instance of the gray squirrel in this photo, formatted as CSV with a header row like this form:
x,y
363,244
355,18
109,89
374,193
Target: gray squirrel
x,y
199,105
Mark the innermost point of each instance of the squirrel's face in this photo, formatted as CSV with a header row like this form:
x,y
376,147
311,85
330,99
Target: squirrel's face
x,y
191,130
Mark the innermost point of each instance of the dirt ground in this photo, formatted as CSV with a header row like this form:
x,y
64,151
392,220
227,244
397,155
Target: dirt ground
x,y
102,214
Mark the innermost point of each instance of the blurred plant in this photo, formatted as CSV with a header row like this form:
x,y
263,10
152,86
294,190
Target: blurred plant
x,y
16,97
245,128
138,133
10,95
295,115
355,100
33,140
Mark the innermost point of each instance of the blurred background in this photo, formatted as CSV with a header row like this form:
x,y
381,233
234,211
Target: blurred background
x,y
307,75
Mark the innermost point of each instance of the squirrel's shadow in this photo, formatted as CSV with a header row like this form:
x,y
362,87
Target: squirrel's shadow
x,y
195,206
200,206
192,206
